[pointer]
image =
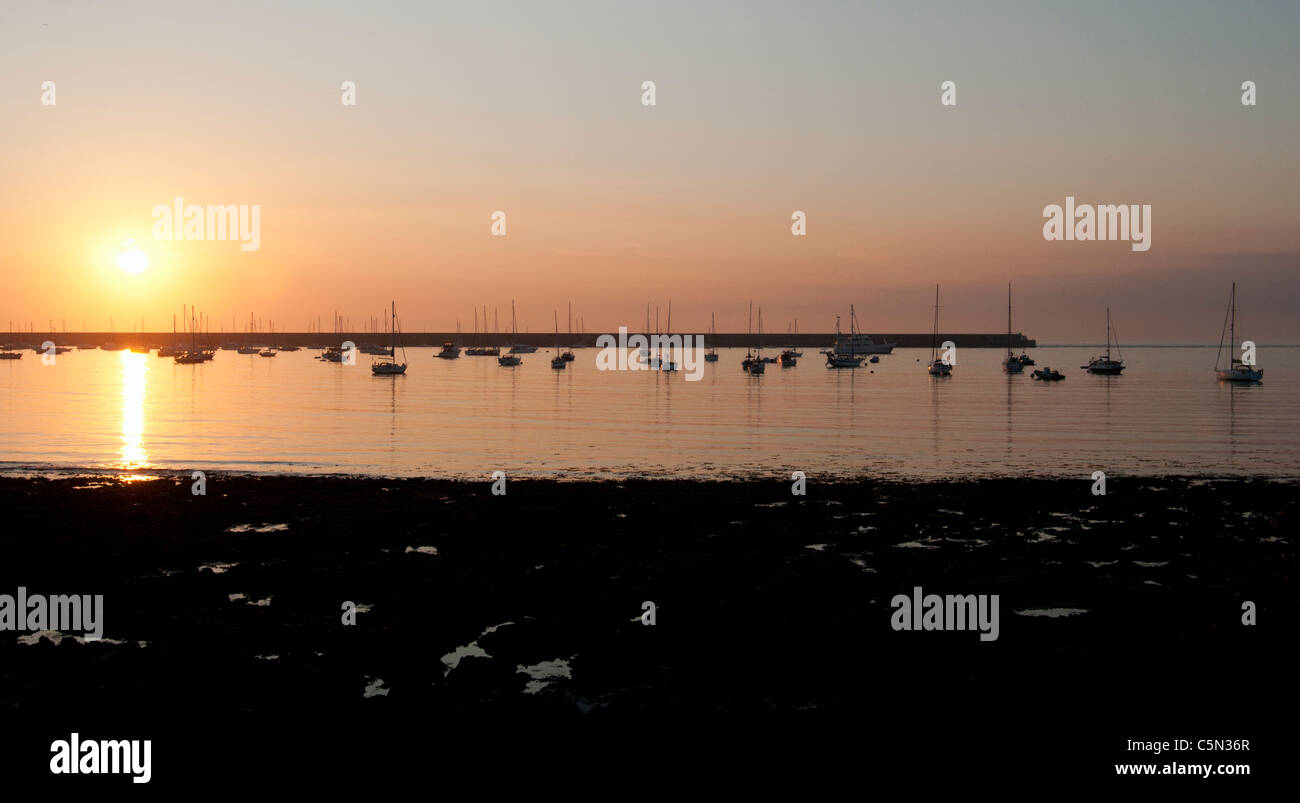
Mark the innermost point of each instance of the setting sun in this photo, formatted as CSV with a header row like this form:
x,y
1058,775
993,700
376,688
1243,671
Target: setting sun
x,y
133,261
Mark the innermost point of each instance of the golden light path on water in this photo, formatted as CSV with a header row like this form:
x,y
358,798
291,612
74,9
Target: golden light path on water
x,y
135,367
136,415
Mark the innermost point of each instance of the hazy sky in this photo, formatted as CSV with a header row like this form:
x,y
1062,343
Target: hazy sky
x,y
534,108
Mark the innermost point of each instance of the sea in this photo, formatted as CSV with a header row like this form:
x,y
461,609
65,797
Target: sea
x,y
139,415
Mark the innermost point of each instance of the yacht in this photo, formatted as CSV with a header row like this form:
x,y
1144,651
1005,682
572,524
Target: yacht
x,y
512,357
794,351
853,345
558,362
194,354
837,359
712,355
391,367
669,364
1105,365
753,364
937,366
1236,370
858,343
518,348
1012,364
450,351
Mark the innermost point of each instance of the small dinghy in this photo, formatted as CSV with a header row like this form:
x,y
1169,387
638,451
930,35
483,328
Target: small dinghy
x,y
1049,375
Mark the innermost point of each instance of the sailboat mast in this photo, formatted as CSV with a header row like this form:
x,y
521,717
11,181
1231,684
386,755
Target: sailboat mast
x,y
1009,319
751,326
1232,332
934,334
1108,333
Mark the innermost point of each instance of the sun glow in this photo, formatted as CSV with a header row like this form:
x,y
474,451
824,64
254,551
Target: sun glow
x,y
132,261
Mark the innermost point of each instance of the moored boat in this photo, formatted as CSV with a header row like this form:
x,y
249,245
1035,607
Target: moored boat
x,y
937,367
1012,364
1104,364
1237,369
836,359
390,366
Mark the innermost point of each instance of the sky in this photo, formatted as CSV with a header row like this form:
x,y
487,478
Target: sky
x,y
762,109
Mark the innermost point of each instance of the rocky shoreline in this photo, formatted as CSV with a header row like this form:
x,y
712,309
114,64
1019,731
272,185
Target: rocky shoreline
x,y
532,602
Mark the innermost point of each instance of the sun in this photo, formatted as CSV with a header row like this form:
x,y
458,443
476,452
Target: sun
x,y
133,260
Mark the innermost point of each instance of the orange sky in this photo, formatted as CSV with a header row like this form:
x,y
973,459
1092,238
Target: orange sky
x,y
834,111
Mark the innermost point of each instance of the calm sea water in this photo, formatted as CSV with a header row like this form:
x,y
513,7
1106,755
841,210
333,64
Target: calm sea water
x,y
469,417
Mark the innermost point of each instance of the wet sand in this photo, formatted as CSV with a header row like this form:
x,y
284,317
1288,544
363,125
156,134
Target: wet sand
x,y
1114,609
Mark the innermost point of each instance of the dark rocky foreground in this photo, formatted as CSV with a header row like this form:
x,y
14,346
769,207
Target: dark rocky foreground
x,y
765,602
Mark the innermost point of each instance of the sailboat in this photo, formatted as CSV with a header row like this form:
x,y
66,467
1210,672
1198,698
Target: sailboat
x,y
482,350
937,367
669,365
111,345
5,353
194,354
645,350
518,348
841,359
1012,364
1237,370
790,357
174,348
753,364
473,350
247,349
568,356
1105,365
793,351
557,362
760,339
391,367
712,355
136,346
512,358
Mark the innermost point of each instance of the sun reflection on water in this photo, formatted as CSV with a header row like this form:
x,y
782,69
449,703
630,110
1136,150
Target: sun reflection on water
x,y
132,455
